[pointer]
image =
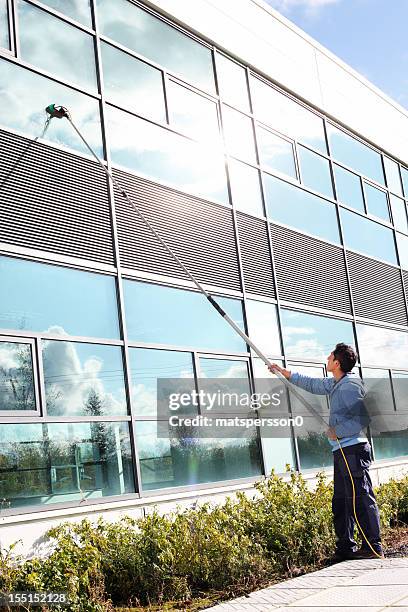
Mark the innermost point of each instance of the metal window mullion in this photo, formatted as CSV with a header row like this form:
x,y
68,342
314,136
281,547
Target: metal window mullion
x,y
41,378
61,16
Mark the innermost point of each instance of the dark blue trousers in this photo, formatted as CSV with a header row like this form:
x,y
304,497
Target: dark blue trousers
x,y
359,459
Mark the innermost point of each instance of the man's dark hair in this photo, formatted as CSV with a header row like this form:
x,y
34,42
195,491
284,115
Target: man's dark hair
x,y
346,355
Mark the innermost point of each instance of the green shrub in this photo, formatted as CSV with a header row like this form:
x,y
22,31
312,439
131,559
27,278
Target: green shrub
x,y
284,529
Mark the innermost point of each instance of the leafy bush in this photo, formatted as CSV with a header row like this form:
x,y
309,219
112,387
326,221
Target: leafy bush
x,y
234,547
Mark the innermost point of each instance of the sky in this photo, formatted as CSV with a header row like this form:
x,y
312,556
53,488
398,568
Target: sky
x,y
369,35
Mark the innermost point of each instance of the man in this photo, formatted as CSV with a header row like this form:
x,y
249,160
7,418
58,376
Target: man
x,y
346,422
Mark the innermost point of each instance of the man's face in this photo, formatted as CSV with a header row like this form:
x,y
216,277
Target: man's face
x,y
332,363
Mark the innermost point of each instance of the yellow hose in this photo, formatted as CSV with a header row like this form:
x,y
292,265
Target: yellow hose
x,y
354,501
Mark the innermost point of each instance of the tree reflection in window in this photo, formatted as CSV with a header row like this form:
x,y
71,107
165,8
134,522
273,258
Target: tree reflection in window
x,y
16,377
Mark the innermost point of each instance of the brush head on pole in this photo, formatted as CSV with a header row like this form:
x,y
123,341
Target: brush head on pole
x,y
59,112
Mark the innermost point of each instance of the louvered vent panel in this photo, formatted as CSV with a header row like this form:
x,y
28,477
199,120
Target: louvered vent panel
x,y
54,201
377,290
405,276
255,255
200,233
309,271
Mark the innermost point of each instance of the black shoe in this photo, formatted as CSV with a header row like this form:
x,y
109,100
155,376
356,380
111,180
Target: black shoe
x,y
367,553
344,555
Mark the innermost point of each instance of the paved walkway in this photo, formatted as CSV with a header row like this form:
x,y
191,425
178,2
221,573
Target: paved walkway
x,y
352,586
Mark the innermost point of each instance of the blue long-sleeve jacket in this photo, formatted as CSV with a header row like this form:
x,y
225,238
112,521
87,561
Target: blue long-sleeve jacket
x,y
348,415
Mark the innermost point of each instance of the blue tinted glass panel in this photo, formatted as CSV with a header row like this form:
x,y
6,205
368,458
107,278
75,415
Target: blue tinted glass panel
x,y
16,376
245,188
223,368
393,176
24,96
355,154
182,318
83,379
4,31
232,82
151,37
399,213
80,10
402,242
404,176
192,113
164,156
44,298
376,202
147,365
239,134
178,462
368,237
307,336
292,206
382,347
315,172
263,327
276,153
132,84
61,462
286,116
54,45
348,187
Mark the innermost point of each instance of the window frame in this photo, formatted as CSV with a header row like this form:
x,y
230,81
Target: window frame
x,y
33,343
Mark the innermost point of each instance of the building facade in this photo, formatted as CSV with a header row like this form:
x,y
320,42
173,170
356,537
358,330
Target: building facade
x,y
278,176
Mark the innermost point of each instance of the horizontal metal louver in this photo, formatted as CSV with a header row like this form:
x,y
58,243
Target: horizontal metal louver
x,y
201,233
310,271
405,277
255,255
377,289
54,201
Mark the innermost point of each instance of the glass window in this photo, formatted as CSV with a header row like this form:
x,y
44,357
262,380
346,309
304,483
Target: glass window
x,y
24,96
276,153
355,154
4,28
54,45
239,134
147,365
245,188
164,156
379,392
45,298
393,175
188,461
263,327
58,462
192,113
314,448
348,188
151,37
16,376
404,176
133,84
165,315
80,10
309,336
368,237
376,202
402,242
286,116
315,172
382,347
399,213
83,379
293,206
223,368
400,386
232,82
277,452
